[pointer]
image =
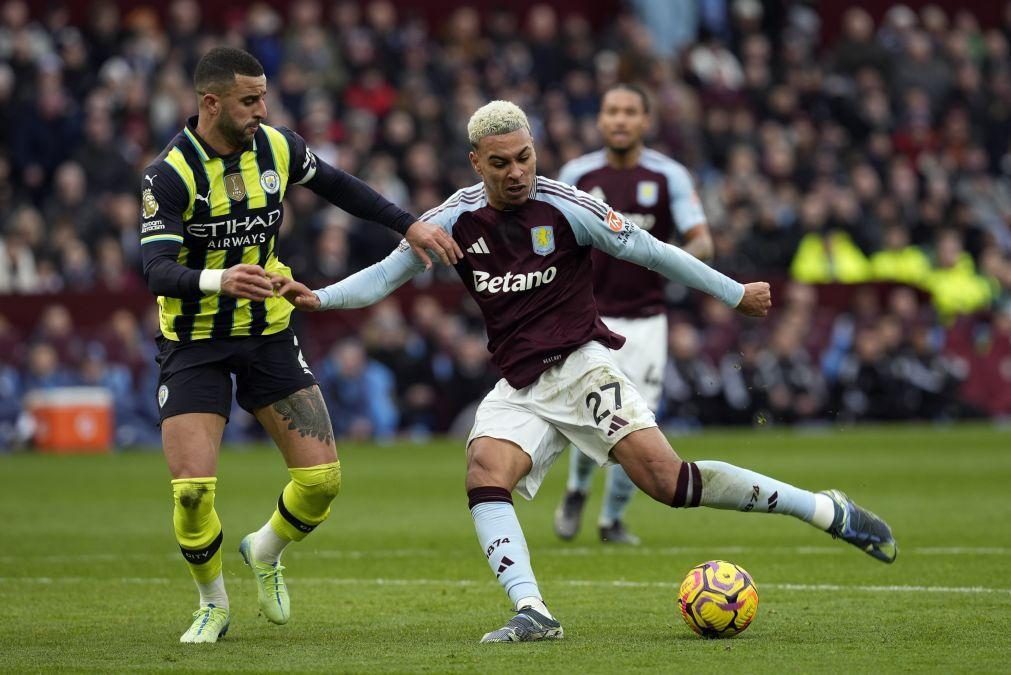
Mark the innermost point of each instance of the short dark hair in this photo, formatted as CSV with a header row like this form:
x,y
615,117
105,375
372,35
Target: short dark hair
x,y
635,89
217,69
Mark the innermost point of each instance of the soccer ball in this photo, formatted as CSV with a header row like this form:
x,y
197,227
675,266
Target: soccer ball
x,y
718,599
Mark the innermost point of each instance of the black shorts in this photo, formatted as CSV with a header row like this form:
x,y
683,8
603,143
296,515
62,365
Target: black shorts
x,y
196,376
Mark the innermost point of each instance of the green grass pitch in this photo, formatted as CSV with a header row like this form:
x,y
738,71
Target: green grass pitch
x,y
394,581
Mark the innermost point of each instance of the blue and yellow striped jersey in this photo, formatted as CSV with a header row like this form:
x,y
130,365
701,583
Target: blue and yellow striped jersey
x,y
212,212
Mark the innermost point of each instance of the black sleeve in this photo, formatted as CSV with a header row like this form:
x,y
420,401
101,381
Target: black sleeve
x,y
341,188
164,198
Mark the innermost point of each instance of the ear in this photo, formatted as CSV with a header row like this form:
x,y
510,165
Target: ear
x,y
474,163
211,103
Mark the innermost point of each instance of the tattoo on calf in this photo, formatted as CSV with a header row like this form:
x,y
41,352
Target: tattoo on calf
x,y
305,412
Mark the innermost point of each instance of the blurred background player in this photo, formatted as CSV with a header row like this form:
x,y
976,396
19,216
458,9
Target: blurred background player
x,y
656,193
527,265
211,211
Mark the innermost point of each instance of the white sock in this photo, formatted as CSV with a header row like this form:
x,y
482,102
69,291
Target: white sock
x,y
534,603
267,545
213,593
824,512
505,547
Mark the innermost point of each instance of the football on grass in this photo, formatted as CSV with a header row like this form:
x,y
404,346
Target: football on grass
x,y
718,599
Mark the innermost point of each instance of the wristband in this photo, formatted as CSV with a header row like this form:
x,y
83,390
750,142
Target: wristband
x,y
210,280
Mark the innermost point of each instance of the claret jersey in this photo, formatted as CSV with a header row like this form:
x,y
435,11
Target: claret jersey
x,y
659,197
529,271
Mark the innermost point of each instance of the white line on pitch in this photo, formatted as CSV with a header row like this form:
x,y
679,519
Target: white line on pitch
x,y
560,551
584,583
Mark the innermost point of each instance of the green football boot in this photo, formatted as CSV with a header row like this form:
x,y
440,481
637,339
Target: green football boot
x,y
209,624
271,591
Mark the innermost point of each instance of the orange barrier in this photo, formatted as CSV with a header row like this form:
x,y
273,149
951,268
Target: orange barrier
x,y
71,420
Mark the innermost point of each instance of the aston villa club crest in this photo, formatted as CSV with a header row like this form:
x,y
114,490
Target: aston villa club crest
x,y
647,193
544,239
235,187
270,181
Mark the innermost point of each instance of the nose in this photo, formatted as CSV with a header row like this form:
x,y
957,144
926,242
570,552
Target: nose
x,y
516,171
261,109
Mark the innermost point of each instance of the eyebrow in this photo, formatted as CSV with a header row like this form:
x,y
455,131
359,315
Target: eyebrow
x,y
506,159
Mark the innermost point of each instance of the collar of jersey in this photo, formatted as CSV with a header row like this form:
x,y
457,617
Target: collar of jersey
x,y
204,148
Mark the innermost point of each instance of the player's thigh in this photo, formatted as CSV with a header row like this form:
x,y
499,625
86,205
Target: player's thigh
x,y
194,399
191,442
510,446
650,462
300,426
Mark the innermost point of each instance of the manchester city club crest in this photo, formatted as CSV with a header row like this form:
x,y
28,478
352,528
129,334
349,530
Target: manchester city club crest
x,y
647,193
270,181
544,239
162,396
235,187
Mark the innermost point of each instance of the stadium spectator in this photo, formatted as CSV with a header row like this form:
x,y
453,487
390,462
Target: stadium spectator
x,y
691,381
796,389
360,392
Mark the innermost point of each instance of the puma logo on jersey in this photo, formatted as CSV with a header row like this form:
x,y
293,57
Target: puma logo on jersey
x,y
478,247
510,283
204,198
150,179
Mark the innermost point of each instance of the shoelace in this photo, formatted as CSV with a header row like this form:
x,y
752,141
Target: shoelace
x,y
208,614
271,570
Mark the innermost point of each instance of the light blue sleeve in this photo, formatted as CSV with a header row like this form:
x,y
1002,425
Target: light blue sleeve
x,y
685,205
596,224
373,283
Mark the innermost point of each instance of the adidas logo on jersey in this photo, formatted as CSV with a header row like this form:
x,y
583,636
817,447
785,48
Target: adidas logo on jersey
x,y
478,247
513,282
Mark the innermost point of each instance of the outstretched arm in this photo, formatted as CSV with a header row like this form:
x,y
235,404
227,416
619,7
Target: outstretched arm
x,y
644,249
596,224
361,289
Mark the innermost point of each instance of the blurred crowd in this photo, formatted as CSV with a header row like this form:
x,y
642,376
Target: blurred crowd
x,y
881,155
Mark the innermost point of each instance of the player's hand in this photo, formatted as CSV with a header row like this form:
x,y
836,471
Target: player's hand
x,y
298,294
246,281
424,236
757,299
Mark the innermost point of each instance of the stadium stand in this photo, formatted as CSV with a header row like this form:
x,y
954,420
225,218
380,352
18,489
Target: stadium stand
x,y
864,168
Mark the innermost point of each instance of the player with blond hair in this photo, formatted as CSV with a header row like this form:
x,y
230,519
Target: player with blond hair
x,y
527,243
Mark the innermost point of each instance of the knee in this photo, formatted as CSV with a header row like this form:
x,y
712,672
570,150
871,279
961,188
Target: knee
x,y
479,467
492,465
194,494
318,484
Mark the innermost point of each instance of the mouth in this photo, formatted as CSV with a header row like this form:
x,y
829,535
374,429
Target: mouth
x,y
517,190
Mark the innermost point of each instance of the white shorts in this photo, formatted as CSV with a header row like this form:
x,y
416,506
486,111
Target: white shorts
x,y
585,400
644,356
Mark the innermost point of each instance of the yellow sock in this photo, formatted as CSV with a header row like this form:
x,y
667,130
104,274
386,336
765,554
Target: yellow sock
x,y
305,501
197,527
